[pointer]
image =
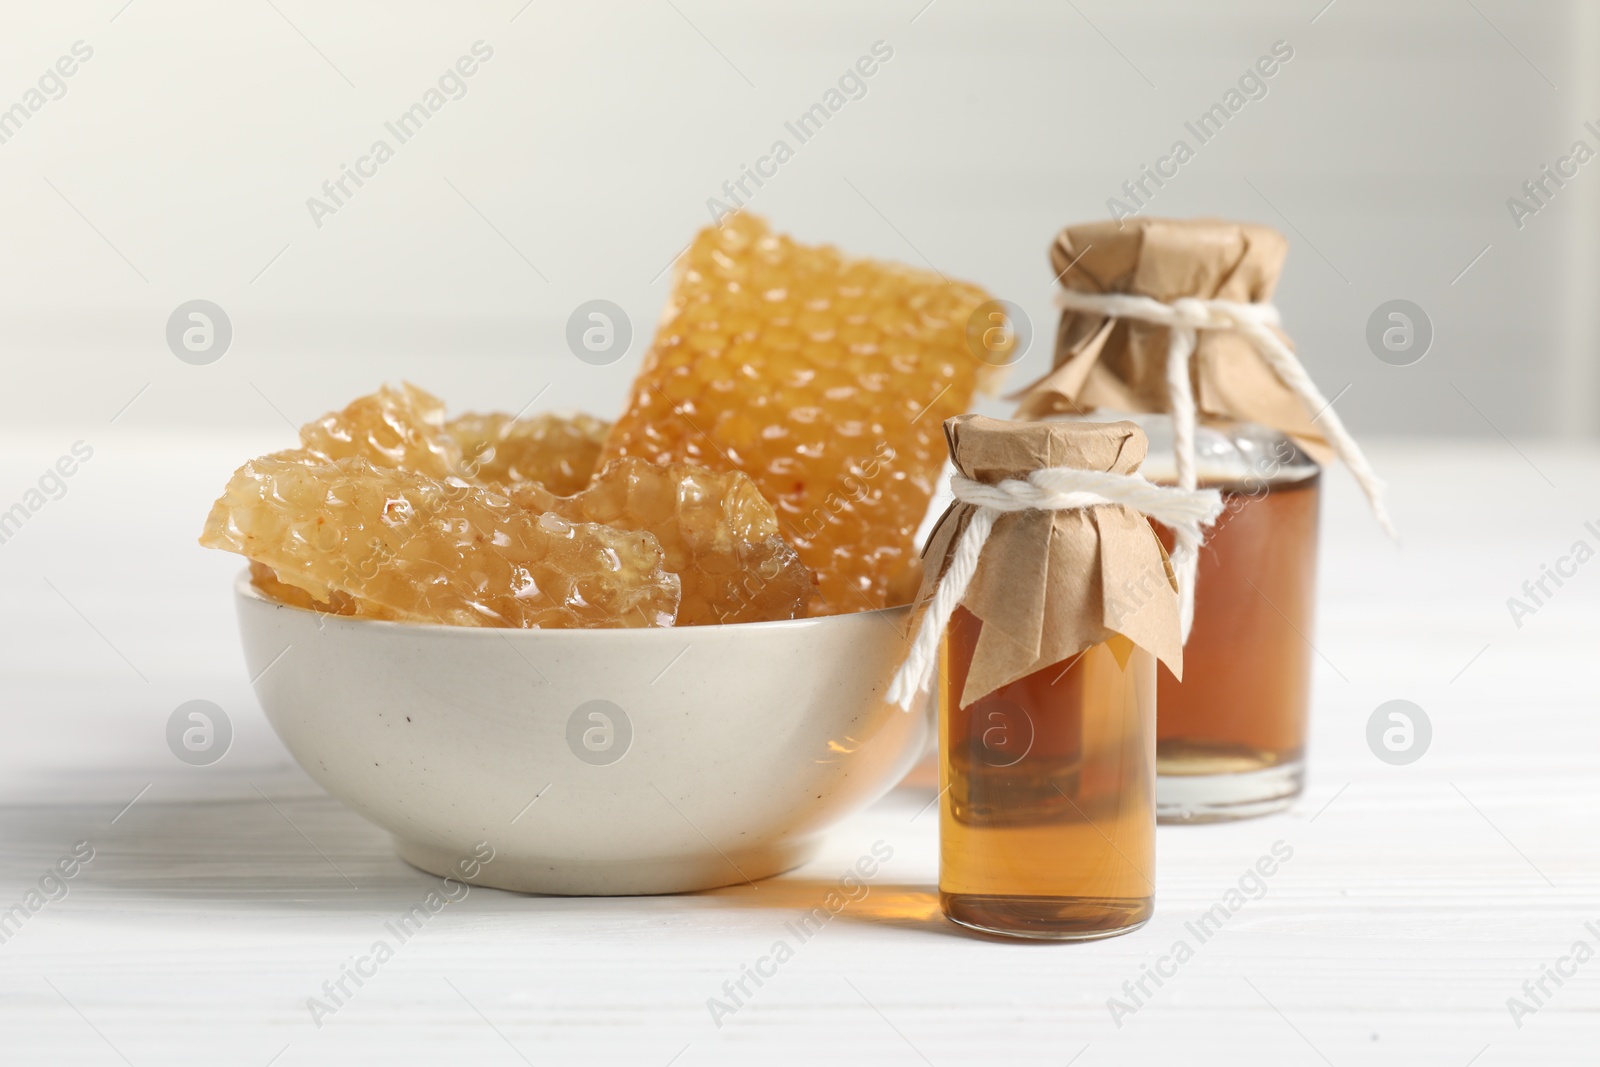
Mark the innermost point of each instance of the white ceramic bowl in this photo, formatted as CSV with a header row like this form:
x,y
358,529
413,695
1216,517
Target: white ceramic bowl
x,y
663,760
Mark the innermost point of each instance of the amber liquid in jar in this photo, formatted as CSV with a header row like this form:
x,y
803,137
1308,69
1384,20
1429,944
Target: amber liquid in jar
x,y
1230,737
1047,815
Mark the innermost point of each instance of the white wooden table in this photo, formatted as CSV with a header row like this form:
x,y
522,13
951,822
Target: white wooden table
x,y
1418,900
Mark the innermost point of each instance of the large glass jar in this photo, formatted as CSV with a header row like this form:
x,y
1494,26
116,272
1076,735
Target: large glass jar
x,y
1231,736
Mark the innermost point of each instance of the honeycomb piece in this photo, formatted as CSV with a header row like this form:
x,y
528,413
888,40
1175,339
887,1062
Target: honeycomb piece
x,y
826,379
393,427
427,551
265,579
717,533
557,451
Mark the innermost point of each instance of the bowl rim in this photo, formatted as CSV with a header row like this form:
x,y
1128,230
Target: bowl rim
x,y
245,589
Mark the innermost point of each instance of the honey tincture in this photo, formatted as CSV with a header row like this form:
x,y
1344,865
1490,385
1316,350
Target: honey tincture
x,y
1231,740
1047,679
1144,300
1231,735
1047,828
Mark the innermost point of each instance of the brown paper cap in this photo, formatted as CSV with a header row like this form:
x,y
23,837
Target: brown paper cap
x,y
1050,584
1121,364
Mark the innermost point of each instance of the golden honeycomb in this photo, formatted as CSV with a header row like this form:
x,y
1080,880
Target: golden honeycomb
x,y
717,533
265,579
557,451
395,427
422,550
826,379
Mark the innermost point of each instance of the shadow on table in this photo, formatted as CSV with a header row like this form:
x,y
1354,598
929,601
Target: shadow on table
x,y
893,906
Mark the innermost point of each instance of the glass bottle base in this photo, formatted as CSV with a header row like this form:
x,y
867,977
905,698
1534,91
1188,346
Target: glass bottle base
x,y
1200,798
1046,918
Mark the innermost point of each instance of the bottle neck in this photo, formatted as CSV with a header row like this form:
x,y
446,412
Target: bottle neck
x,y
1227,452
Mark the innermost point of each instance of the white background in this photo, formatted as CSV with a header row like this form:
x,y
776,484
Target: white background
x,y
1386,150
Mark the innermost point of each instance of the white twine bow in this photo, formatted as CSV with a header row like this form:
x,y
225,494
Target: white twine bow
x,y
1184,318
1183,511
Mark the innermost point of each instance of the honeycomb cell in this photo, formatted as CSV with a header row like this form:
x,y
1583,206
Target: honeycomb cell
x,y
394,427
717,533
422,550
827,380
559,452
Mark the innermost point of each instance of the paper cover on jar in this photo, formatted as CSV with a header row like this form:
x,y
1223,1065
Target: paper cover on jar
x,y
1121,364
1050,584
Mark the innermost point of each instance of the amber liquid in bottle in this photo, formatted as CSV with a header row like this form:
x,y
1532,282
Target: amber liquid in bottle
x,y
1047,816
1240,712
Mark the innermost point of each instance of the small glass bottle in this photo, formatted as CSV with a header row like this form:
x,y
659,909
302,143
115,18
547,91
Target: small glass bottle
x,y
1047,682
1231,736
1047,823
